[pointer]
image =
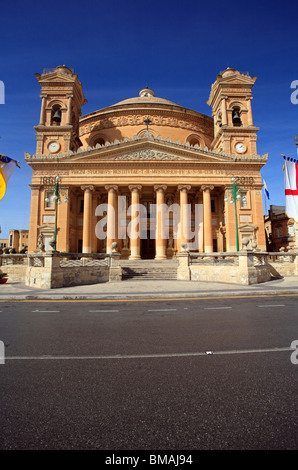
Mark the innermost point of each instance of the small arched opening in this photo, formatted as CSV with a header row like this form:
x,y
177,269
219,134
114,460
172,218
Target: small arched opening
x,y
56,115
236,112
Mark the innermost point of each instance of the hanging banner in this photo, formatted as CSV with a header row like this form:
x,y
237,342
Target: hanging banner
x,y
291,187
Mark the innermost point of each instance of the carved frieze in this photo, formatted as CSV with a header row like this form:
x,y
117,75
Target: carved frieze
x,y
143,155
135,120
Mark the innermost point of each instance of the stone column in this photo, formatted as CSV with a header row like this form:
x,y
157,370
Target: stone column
x,y
96,198
230,226
161,240
63,221
69,110
184,218
199,217
135,241
249,114
112,224
87,220
224,111
208,236
42,110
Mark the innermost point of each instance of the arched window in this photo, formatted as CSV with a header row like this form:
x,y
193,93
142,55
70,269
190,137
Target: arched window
x,y
99,141
194,140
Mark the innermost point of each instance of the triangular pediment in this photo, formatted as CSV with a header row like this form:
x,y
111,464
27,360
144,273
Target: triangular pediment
x,y
239,80
247,228
53,78
146,150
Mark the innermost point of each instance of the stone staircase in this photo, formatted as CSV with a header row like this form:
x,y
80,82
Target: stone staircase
x,y
149,269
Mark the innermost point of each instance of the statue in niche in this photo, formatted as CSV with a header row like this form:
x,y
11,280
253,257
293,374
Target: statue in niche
x,y
40,242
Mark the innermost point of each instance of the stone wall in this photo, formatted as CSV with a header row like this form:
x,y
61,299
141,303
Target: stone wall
x,y
49,274
230,274
244,267
65,277
283,269
15,272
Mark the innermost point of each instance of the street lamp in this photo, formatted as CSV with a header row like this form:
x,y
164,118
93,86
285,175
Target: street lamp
x,y
57,198
235,194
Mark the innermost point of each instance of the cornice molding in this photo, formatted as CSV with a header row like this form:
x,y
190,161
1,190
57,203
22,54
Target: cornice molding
x,y
160,149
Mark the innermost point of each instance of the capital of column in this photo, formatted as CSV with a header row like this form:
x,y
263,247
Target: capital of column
x,y
135,187
86,187
184,187
206,187
160,187
111,187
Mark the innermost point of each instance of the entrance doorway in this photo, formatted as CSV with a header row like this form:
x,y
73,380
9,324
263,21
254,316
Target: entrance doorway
x,y
148,247
148,220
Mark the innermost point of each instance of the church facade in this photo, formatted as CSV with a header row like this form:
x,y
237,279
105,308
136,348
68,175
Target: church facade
x,y
146,173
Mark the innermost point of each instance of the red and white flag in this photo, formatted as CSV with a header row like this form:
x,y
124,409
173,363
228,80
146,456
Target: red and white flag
x,y
291,187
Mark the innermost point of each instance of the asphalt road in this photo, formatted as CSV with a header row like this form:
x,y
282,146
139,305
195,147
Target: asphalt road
x,y
180,375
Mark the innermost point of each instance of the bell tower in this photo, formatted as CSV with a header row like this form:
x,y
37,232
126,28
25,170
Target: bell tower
x,y
230,99
62,98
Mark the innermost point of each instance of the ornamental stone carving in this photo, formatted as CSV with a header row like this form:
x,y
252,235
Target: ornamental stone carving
x,y
135,120
160,187
145,155
135,187
184,187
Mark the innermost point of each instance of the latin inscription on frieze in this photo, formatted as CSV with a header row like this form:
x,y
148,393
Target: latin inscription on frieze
x,y
241,178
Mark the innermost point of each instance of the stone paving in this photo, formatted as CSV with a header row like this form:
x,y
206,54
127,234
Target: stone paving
x,y
141,289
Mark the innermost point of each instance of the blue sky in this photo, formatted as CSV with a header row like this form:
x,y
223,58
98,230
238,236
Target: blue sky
x,y
119,47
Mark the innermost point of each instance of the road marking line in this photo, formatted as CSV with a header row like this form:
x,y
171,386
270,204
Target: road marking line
x,y
281,305
45,311
215,308
101,311
147,356
162,310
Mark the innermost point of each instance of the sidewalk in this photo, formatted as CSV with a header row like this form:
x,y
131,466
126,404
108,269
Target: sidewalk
x,y
147,289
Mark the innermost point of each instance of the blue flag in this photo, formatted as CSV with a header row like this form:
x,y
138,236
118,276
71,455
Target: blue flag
x,y
266,189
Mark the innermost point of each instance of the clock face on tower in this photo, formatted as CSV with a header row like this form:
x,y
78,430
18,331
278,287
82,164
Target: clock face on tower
x,y
240,148
53,147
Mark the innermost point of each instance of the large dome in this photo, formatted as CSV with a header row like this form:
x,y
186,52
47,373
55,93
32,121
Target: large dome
x,y
132,117
146,96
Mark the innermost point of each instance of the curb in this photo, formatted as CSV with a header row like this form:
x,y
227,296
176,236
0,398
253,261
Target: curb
x,y
149,296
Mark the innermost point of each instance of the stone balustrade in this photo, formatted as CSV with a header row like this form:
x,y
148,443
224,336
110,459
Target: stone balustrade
x,y
54,269
243,267
15,265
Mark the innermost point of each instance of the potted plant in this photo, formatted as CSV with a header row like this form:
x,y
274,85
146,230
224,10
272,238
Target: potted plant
x,y
3,278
